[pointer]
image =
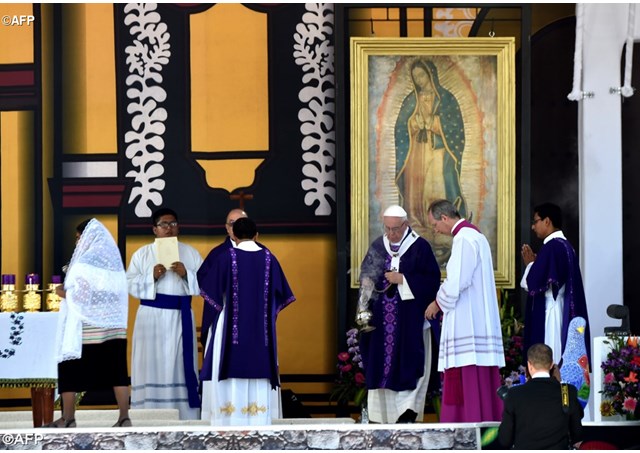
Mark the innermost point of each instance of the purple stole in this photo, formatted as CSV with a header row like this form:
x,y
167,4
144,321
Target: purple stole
x,y
390,298
463,224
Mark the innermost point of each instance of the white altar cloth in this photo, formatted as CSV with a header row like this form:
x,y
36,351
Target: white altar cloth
x,y
27,349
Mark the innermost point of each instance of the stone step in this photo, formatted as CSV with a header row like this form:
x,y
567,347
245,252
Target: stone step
x,y
106,424
145,423
97,417
92,418
313,421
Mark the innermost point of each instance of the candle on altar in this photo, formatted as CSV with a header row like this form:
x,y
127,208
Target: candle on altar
x,y
57,279
8,298
32,279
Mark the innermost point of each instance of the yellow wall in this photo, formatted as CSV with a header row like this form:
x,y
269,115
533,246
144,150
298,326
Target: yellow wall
x,y
89,83
16,158
229,91
229,88
16,40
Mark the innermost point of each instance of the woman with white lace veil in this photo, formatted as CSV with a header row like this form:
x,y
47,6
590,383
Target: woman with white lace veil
x,y
92,327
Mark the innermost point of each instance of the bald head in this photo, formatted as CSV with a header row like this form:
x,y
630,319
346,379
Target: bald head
x,y
233,215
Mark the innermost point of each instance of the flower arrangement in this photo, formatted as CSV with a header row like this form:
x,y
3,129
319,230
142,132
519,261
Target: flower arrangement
x,y
621,371
512,355
350,384
512,340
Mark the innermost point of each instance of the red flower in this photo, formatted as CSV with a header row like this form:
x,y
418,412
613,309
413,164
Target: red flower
x,y
629,405
349,383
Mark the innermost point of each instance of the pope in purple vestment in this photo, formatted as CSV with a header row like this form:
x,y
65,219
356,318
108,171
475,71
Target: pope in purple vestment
x,y
393,353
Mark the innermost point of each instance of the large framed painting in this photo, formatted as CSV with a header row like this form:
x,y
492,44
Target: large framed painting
x,y
434,118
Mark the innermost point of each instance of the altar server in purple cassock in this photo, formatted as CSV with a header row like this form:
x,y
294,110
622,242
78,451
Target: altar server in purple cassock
x,y
471,349
402,276
554,283
247,289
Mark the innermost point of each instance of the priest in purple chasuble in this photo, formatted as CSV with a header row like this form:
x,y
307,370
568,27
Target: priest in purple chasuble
x,y
471,348
210,314
401,273
554,283
247,288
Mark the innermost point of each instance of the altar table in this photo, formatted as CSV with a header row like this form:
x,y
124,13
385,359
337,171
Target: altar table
x,y
27,358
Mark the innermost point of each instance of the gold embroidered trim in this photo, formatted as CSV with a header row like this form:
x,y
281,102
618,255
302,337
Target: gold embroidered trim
x,y
228,409
253,409
28,382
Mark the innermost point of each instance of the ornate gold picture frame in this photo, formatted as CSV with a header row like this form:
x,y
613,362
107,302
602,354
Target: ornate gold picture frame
x,y
434,118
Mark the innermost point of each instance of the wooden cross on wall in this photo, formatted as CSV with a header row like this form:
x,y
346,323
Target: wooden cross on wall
x,y
241,197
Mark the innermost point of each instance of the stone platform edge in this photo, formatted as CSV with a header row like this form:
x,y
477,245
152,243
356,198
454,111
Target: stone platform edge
x,y
276,437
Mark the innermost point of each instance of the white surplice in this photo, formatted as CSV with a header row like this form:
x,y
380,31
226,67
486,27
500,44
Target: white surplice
x,y
552,308
157,370
471,331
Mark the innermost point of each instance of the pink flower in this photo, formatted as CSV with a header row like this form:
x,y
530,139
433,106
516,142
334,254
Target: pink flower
x,y
629,404
346,368
343,356
609,378
359,377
